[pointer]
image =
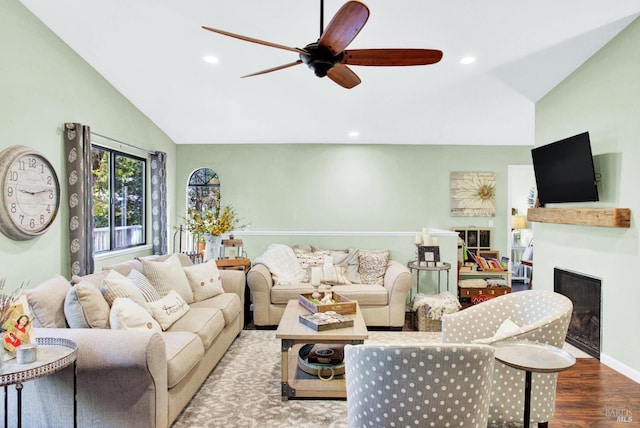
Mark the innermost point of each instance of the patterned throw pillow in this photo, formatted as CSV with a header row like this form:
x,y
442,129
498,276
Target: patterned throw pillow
x,y
128,315
372,265
307,260
204,280
337,276
147,289
169,309
117,285
168,275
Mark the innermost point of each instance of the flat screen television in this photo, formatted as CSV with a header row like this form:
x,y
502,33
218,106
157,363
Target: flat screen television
x,y
564,171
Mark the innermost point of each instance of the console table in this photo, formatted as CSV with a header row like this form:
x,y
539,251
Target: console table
x,y
54,354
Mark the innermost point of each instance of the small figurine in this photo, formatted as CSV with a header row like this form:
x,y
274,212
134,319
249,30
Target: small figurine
x,y
328,298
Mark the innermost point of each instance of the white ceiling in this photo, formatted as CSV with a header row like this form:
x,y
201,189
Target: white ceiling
x,y
152,50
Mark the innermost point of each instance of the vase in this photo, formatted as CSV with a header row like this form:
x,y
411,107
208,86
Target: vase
x,y
212,247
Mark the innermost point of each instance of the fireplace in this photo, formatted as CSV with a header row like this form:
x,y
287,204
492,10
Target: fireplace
x,y
585,293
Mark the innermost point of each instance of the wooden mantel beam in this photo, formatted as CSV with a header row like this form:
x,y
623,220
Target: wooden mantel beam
x,y
607,217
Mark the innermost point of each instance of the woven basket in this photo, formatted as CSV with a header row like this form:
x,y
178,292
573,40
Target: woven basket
x,y
423,323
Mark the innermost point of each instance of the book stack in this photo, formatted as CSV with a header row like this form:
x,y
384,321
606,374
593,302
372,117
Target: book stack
x,y
490,264
321,321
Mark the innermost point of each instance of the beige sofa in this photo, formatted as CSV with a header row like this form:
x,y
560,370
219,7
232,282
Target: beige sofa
x,y
133,377
383,303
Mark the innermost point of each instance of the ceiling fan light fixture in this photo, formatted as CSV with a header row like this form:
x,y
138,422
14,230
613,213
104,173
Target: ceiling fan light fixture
x,y
468,60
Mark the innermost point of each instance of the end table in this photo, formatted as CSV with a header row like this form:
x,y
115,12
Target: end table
x,y
242,264
414,265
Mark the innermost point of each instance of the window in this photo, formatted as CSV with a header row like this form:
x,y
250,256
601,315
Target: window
x,y
118,199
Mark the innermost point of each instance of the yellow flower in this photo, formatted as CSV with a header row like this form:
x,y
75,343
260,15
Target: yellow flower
x,y
213,222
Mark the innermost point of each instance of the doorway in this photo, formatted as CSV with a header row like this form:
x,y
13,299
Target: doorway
x,y
521,196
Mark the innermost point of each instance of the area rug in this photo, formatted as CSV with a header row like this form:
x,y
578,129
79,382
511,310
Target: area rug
x,y
244,389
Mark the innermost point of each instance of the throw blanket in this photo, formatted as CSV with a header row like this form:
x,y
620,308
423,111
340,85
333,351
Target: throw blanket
x,y
439,304
282,263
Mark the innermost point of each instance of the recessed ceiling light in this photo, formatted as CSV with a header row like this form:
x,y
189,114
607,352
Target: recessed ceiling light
x,y
210,59
468,60
354,134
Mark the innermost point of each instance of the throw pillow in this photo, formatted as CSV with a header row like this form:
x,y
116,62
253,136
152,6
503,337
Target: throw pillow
x,y
169,309
350,259
118,285
47,302
337,275
86,307
128,315
168,275
372,265
147,289
307,260
204,280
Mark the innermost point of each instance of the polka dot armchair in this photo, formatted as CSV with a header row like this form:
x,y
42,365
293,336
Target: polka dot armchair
x,y
419,386
533,315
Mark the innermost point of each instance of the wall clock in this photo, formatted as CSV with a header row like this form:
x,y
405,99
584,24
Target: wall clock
x,y
30,195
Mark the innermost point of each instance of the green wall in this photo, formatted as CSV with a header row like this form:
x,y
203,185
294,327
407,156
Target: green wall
x,y
347,188
601,97
44,84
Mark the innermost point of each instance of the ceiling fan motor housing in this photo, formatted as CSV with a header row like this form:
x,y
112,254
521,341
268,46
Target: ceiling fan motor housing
x,y
320,59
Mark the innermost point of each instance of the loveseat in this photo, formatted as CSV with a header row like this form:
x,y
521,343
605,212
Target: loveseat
x,y
133,369
379,284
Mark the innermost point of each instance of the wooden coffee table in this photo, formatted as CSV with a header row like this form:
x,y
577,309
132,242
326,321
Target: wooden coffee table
x,y
293,334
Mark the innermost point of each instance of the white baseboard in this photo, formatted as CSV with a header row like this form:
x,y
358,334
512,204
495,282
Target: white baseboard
x,y
620,367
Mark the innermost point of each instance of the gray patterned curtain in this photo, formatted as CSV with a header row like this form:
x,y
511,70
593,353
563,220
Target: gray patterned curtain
x,y
159,202
77,148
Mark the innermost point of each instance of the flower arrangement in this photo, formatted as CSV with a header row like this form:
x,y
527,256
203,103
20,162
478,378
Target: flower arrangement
x,y
210,221
6,302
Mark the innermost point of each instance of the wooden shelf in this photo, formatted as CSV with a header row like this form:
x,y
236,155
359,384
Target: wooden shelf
x,y
606,217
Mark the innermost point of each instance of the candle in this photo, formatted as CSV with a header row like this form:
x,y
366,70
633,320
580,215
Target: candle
x,y
425,239
435,241
418,238
316,275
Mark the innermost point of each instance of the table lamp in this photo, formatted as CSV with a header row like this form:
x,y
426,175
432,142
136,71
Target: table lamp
x,y
518,222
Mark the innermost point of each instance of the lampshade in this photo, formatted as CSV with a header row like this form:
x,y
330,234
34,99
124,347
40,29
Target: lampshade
x,y
518,222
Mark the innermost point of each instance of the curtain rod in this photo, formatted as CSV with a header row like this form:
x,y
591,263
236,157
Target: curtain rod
x,y
122,142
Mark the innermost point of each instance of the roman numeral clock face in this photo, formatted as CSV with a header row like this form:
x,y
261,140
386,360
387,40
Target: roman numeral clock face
x,y
30,193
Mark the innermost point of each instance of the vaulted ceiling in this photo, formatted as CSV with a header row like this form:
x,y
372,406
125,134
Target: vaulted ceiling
x,y
152,51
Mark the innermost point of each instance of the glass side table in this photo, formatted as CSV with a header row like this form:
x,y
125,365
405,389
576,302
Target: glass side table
x,y
414,265
532,357
54,354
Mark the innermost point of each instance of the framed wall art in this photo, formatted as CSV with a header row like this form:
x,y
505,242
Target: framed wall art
x,y
473,194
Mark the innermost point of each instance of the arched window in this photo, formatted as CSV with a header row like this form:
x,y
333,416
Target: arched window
x,y
203,190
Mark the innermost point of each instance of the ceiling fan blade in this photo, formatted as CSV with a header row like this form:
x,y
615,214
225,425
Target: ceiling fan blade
x,y
258,41
344,27
343,76
269,70
391,57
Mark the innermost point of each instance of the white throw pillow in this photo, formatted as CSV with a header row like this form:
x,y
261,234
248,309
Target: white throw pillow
x,y
86,307
168,275
169,309
204,280
147,289
128,315
506,328
117,285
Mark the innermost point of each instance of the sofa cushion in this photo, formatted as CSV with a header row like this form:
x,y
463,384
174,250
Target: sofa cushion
x,y
125,267
228,303
147,289
281,294
168,275
372,265
47,302
204,280
86,307
364,294
207,323
349,258
118,285
169,309
184,352
126,314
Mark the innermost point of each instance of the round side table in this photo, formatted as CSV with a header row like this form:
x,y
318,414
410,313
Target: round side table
x,y
54,354
532,357
414,265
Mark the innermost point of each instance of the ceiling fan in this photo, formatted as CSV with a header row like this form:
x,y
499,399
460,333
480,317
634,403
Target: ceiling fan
x,y
328,57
